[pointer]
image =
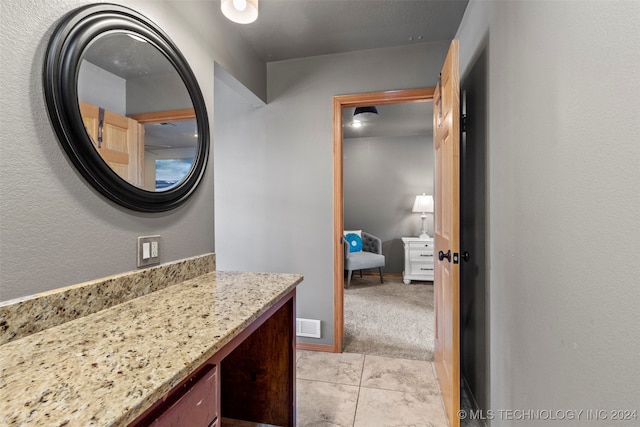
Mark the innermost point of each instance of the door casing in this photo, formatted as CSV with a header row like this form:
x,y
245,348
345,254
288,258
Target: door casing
x,y
340,102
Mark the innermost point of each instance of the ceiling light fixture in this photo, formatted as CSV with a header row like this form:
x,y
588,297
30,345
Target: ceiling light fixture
x,y
365,114
356,124
240,11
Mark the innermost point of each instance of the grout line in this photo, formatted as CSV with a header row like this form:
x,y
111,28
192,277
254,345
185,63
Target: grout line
x,y
327,382
364,360
355,413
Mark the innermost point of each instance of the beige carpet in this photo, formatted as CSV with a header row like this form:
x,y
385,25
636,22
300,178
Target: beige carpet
x,y
390,319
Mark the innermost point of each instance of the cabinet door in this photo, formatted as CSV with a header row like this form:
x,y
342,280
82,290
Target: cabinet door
x,y
196,405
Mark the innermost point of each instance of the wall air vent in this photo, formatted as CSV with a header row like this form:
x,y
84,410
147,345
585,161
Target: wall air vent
x,y
307,328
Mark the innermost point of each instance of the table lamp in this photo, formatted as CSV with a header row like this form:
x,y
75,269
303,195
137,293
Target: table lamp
x,y
423,204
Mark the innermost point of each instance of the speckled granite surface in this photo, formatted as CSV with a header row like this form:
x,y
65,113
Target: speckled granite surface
x,y
106,368
25,316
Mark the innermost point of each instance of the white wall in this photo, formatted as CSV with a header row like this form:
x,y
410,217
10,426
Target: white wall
x,y
281,157
55,230
564,165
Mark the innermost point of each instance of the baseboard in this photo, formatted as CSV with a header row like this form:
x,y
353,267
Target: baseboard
x,y
378,274
327,348
474,403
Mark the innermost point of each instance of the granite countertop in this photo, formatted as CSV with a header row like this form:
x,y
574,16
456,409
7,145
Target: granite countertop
x,y
107,368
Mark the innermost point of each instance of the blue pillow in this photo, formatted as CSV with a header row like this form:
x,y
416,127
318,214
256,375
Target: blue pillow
x,y
355,242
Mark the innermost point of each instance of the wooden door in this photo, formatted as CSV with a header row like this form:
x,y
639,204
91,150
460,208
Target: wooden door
x,y
120,141
446,141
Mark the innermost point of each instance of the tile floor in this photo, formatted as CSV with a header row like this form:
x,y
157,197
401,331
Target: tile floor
x,y
356,390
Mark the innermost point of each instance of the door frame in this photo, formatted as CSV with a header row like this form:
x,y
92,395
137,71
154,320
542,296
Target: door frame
x,y
339,102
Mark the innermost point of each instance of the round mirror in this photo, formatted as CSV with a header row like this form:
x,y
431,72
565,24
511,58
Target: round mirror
x,y
126,107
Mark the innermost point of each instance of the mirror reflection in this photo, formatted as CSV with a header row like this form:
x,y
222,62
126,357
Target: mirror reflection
x,y
137,111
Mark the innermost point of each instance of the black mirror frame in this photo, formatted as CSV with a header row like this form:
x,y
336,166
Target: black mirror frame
x,y
66,46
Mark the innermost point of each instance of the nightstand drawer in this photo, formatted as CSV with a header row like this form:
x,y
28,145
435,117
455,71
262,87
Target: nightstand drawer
x,y
428,245
421,255
421,268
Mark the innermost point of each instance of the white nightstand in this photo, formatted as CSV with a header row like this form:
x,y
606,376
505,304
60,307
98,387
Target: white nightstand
x,y
418,259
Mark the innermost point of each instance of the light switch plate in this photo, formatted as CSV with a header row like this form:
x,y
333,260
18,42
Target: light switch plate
x,y
148,251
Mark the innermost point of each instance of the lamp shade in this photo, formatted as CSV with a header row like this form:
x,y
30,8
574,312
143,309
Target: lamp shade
x,y
423,203
240,11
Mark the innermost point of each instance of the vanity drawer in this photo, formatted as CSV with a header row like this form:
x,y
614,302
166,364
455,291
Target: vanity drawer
x,y
193,404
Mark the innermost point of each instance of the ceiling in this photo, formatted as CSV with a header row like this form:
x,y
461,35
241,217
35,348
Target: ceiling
x,y
127,56
408,119
287,29
170,135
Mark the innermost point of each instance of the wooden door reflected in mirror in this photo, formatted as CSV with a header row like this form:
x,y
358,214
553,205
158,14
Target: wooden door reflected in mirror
x,y
119,140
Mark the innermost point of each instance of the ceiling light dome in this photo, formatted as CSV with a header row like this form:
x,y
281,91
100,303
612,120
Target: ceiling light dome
x,y
365,114
240,11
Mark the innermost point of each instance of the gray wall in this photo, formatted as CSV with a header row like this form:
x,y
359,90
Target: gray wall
x,y
133,96
99,87
563,230
54,229
160,93
242,163
232,53
381,179
280,156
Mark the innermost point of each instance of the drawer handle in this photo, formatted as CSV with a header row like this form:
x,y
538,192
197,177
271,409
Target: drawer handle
x,y
426,255
428,269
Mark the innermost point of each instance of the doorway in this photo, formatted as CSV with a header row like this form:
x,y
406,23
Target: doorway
x,y
474,286
340,102
389,159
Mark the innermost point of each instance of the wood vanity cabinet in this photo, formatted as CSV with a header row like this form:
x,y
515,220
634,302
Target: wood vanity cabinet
x,y
193,403
249,381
